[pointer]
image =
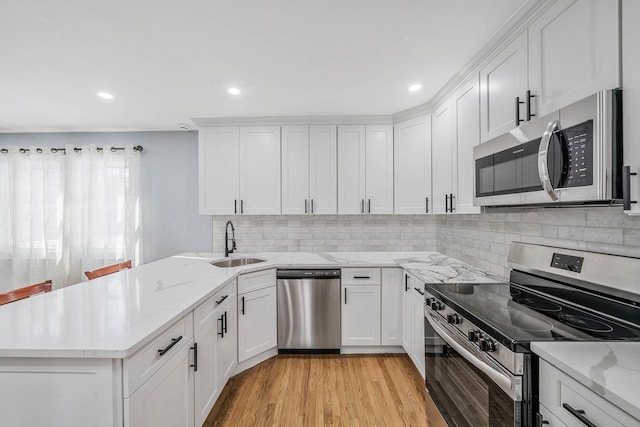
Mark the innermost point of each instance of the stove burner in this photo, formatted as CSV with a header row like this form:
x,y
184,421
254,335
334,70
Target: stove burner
x,y
539,304
585,323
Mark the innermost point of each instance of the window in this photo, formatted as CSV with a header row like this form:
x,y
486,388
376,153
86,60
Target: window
x,y
63,212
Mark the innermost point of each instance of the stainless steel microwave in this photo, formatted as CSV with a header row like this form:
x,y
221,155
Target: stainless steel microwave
x,y
573,156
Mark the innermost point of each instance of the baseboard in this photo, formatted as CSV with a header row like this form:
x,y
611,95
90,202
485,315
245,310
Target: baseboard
x,y
372,350
250,363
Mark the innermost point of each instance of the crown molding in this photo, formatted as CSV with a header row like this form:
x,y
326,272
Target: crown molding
x,y
296,120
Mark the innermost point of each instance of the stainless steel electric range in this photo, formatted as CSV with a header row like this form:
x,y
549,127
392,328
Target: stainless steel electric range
x,y
482,372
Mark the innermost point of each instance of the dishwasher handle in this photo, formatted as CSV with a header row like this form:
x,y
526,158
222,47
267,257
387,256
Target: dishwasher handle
x,y
308,274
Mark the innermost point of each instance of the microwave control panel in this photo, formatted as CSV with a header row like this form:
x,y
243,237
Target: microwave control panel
x,y
579,140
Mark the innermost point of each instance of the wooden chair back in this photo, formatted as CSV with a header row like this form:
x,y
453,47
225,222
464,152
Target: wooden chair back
x,y
27,291
103,271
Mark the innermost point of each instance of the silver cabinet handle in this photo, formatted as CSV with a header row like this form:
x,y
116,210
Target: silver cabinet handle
x,y
543,160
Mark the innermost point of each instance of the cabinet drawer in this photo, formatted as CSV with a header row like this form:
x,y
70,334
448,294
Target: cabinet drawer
x,y
213,305
142,365
258,280
547,415
558,389
360,276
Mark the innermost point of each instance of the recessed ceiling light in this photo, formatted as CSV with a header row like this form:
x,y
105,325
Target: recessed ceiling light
x,y
234,91
415,88
104,95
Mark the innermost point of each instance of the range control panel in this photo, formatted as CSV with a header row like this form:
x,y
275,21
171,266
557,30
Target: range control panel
x,y
567,262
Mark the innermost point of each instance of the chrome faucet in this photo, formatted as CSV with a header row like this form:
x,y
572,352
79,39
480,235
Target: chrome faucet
x,y
228,251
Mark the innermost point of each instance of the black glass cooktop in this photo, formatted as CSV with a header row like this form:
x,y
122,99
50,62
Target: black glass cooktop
x,y
535,309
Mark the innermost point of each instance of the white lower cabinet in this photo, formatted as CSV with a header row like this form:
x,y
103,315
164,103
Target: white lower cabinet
x,y
361,315
215,341
361,306
257,321
166,399
413,321
565,401
392,294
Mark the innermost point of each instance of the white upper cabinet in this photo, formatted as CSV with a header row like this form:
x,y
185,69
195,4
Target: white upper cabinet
x,y
379,169
502,80
323,170
295,169
569,52
219,162
260,170
309,170
351,169
239,170
631,100
412,166
466,135
365,169
443,168
573,52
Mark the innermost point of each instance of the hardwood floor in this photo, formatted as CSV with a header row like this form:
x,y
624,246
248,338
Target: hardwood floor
x,y
318,390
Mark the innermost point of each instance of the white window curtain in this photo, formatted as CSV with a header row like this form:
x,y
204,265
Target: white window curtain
x,y
64,213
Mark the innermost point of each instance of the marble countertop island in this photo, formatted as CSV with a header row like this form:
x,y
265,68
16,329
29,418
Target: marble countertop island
x,y
115,315
611,369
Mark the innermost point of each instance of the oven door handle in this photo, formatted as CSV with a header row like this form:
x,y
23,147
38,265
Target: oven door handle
x,y
543,160
503,381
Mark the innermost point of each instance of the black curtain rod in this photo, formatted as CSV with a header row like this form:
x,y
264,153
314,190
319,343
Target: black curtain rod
x,y
76,149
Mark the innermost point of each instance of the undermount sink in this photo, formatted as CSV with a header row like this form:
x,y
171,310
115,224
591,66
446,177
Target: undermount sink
x,y
235,262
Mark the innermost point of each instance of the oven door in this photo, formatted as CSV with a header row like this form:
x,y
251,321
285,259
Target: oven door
x,y
470,391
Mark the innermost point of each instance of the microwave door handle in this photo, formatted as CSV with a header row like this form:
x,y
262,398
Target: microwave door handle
x,y
543,160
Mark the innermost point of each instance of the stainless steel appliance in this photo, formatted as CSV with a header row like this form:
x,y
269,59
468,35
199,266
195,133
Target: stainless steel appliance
x,y
308,311
573,156
485,373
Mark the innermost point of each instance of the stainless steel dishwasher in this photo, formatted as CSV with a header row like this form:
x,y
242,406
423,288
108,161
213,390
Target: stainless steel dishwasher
x,y
308,311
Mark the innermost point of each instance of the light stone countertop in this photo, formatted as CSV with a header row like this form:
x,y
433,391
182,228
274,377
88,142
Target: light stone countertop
x,y
115,315
610,369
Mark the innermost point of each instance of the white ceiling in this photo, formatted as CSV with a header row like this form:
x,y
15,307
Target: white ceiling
x,y
168,61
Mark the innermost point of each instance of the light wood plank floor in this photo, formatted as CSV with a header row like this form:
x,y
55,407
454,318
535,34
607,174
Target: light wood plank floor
x,y
319,390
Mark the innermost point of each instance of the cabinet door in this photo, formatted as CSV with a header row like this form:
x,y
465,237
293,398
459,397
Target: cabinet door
x,y
412,166
503,79
466,135
323,170
379,169
417,342
443,168
227,344
573,52
631,96
166,399
392,294
260,170
295,170
361,315
205,381
257,323
218,166
407,315
351,169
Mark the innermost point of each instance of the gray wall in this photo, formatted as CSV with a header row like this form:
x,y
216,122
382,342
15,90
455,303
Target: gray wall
x,y
317,233
483,240
169,184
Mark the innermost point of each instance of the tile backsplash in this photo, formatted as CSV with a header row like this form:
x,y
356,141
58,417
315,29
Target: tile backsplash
x,y
483,240
334,233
